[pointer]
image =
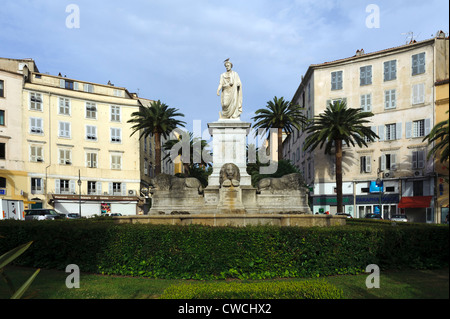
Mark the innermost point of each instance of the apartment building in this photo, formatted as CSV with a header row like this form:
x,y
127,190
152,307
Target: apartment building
x,y
13,178
75,149
397,86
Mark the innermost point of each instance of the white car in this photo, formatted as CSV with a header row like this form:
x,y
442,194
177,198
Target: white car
x,y
399,218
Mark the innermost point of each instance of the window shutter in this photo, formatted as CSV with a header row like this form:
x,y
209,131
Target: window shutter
x,y
414,160
75,86
62,84
398,131
393,162
421,93
57,191
110,185
420,159
381,132
328,103
383,162
408,129
368,164
123,187
387,99
72,186
98,186
427,126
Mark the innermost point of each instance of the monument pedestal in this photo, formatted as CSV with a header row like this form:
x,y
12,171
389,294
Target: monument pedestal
x,y
229,146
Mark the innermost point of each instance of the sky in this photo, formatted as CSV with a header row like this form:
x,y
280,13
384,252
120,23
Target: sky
x,y
173,50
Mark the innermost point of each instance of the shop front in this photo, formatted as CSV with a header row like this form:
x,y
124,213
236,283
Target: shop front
x,y
418,209
91,205
383,204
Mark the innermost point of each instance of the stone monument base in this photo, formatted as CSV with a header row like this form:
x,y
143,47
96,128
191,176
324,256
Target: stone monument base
x,y
236,220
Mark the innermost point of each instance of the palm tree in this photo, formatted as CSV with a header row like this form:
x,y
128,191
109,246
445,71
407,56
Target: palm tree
x,y
281,115
335,125
439,134
197,147
157,119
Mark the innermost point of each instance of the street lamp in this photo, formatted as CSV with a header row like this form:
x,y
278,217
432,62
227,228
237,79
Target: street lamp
x,y
79,193
379,183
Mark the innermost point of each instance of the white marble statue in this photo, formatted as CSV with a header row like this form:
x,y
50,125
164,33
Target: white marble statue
x,y
231,87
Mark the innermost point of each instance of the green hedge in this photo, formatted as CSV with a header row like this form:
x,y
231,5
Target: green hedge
x,y
200,252
259,290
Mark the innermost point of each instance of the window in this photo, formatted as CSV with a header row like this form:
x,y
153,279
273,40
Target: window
x,y
366,102
68,84
118,93
418,93
92,188
88,88
145,167
91,110
115,113
418,63
2,150
91,132
117,189
65,156
2,117
418,159
36,126
116,135
64,129
36,186
64,186
388,162
91,159
389,99
419,128
336,80
390,70
2,88
116,161
2,182
365,164
390,132
36,153
417,188
35,101
64,106
365,75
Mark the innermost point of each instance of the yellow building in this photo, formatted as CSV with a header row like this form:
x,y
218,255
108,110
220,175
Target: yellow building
x,y
442,169
13,178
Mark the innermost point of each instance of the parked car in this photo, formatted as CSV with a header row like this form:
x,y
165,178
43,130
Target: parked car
x,y
399,218
112,214
344,214
70,216
41,214
373,216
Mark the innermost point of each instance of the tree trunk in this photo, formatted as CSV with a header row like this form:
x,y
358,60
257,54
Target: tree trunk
x,y
157,153
280,144
338,145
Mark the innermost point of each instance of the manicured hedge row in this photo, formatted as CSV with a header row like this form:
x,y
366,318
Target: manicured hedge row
x,y
259,290
200,252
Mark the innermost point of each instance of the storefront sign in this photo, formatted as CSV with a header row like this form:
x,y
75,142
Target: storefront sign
x,y
332,200
375,199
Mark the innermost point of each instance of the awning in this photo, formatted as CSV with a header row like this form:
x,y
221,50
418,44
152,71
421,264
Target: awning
x,y
415,202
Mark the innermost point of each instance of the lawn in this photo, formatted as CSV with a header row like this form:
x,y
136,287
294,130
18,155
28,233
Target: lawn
x,y
50,284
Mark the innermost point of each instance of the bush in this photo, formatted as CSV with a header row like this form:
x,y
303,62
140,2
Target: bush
x,y
259,290
201,252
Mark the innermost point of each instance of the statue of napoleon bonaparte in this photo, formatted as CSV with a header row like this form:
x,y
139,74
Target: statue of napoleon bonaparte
x,y
231,87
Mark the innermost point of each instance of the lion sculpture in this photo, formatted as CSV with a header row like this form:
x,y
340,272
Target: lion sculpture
x,y
229,175
165,182
292,181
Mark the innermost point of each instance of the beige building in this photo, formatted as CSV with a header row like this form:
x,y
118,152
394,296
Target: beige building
x,y
75,149
397,85
13,178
